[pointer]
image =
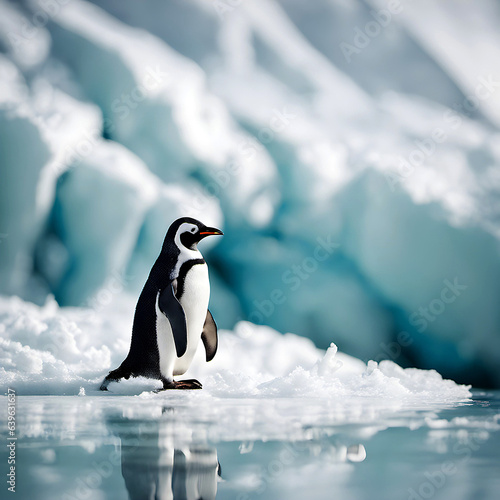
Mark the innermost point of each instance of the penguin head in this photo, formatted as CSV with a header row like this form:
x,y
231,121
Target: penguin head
x,y
188,232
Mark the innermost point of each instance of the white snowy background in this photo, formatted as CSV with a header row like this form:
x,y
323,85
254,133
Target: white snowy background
x,y
349,150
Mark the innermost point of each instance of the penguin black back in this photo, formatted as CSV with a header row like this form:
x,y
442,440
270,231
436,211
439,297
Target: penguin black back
x,y
143,356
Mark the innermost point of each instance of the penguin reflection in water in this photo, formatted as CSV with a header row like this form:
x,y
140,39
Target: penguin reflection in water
x,y
162,460
172,311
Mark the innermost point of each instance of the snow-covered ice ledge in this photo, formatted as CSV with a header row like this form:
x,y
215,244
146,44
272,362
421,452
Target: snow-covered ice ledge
x,y
67,351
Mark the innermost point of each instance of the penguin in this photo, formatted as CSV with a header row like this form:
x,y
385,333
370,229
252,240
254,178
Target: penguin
x,y
172,313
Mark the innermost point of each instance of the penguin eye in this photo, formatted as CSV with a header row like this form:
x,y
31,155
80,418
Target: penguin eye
x,y
193,230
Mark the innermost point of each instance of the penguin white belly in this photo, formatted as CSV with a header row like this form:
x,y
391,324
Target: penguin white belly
x,y
194,301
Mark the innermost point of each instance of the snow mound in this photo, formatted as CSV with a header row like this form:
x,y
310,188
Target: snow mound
x,y
53,350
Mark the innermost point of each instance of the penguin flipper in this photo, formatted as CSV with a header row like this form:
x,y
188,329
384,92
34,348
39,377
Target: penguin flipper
x,y
172,309
209,336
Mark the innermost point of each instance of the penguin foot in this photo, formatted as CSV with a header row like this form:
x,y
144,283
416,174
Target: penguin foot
x,y
181,384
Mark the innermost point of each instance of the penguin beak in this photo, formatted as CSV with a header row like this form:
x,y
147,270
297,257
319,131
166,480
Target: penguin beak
x,y
207,231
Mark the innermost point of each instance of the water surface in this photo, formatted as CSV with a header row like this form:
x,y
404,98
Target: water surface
x,y
191,446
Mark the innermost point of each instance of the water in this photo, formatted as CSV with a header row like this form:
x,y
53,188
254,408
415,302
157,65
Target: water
x,y
192,445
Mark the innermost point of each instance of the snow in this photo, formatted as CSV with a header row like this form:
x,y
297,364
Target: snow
x,y
259,125
55,351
